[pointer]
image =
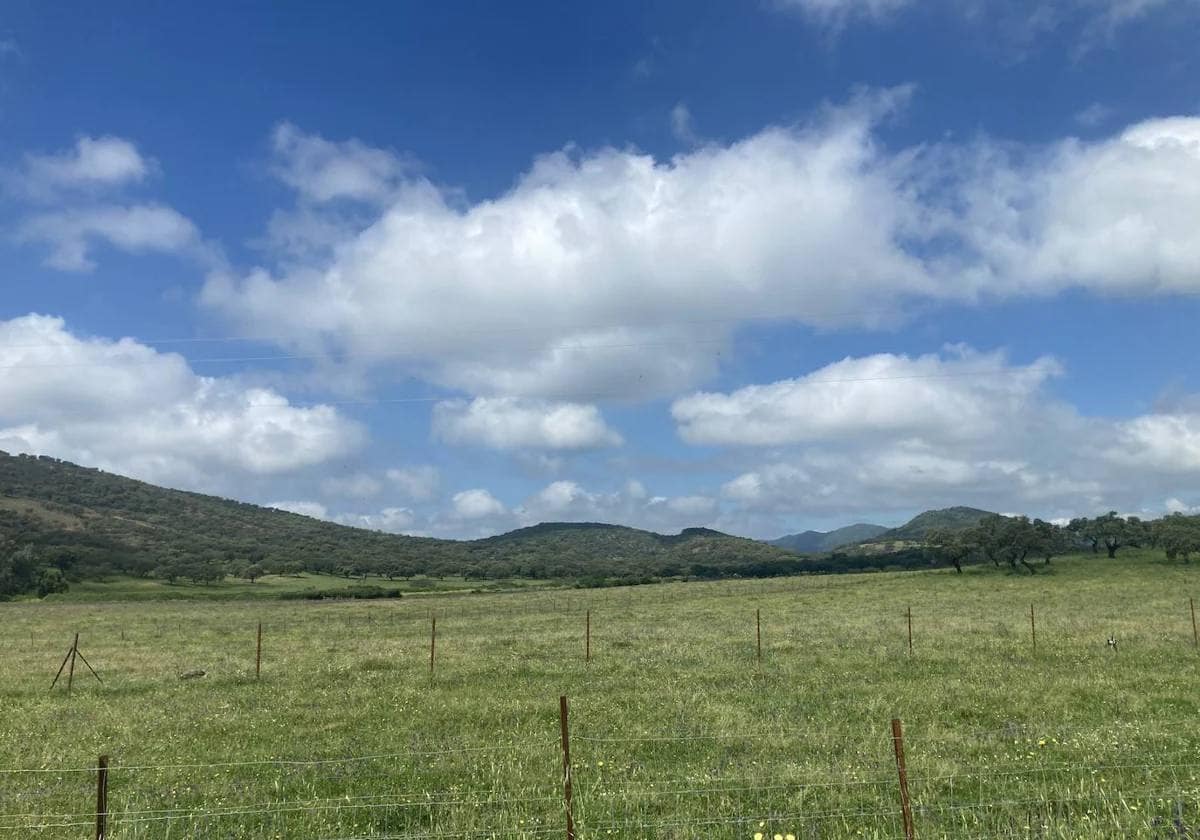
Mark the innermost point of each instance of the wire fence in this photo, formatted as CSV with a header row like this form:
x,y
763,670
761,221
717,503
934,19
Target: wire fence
x,y
753,784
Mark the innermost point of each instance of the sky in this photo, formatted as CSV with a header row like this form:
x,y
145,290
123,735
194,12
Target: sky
x,y
762,266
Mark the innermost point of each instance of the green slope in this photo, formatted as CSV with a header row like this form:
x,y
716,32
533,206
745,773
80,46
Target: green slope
x,y
92,523
812,542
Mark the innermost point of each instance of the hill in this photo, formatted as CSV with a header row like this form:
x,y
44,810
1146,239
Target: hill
x,y
88,523
917,528
815,542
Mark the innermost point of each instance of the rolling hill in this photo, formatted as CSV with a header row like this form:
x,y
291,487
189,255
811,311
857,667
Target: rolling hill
x,y
815,542
90,523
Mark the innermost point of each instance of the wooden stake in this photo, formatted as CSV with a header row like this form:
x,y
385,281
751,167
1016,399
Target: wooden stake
x,y
909,613
74,653
566,751
432,640
102,798
62,666
1195,638
1033,627
758,632
258,654
905,804
587,638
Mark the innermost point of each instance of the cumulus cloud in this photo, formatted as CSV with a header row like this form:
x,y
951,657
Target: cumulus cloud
x,y
128,408
539,281
94,163
894,433
418,483
355,486
136,229
477,504
510,423
568,501
817,224
1110,216
962,394
321,170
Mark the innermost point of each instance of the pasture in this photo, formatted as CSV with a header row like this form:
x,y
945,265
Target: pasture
x,y
677,731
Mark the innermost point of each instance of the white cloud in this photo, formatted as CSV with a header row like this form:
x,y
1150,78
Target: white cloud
x,y
94,163
128,408
568,501
967,428
477,504
539,282
1162,442
817,224
683,126
394,520
136,229
321,170
1174,505
1111,216
511,423
962,394
355,486
419,483
314,510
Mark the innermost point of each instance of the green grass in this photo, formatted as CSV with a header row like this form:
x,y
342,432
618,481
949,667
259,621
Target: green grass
x,y
676,733
126,588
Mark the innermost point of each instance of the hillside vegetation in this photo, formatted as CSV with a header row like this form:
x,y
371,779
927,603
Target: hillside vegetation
x,y
62,522
812,542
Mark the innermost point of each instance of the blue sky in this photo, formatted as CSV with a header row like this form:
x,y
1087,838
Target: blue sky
x,y
455,269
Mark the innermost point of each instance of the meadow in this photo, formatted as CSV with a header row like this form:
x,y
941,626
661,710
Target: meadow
x,y
677,731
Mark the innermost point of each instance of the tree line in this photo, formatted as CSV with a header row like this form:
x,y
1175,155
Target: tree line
x,y
1021,542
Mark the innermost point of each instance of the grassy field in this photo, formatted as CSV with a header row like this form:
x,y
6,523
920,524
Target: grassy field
x,y
676,731
126,588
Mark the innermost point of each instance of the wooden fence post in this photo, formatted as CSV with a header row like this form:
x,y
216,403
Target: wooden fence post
x,y
587,636
1195,638
909,614
102,798
432,640
758,632
258,654
1033,627
566,751
902,770
71,671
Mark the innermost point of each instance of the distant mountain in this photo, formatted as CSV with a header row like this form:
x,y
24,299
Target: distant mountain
x,y
815,542
917,528
89,523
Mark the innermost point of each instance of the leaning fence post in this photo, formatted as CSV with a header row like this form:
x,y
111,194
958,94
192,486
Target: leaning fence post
x,y
102,798
1195,637
1033,627
902,770
566,751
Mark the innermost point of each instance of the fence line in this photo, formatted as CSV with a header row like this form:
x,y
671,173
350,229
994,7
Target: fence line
x,y
941,802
